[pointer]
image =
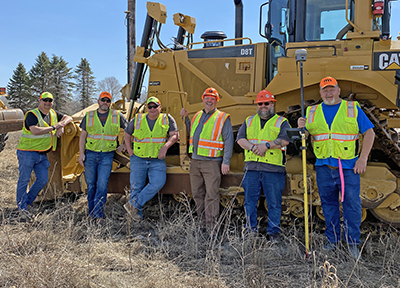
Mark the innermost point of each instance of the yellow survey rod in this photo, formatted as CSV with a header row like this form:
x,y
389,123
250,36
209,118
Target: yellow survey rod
x,y
301,56
303,154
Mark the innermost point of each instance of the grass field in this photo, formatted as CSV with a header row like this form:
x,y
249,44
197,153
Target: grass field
x,y
60,248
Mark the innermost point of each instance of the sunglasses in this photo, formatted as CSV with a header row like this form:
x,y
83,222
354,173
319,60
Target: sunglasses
x,y
152,106
47,100
264,103
105,100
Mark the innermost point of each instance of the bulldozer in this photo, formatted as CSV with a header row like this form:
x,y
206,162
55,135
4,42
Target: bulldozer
x,y
349,40
10,120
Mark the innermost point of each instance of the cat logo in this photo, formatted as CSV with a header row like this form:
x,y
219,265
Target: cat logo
x,y
384,61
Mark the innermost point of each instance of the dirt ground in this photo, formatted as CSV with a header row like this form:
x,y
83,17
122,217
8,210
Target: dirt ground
x,y
60,247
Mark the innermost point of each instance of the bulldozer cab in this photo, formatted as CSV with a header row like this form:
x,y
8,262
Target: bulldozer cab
x,y
288,21
321,20
324,19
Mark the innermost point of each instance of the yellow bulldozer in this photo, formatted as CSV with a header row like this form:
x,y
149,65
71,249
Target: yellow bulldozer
x,y
349,40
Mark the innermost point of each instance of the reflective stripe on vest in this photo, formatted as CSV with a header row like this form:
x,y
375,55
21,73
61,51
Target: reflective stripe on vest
x,y
340,140
321,137
344,137
147,143
211,143
194,120
270,132
350,109
40,143
310,119
102,138
150,139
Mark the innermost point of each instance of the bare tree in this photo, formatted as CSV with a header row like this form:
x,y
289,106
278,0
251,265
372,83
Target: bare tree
x,y
111,85
143,95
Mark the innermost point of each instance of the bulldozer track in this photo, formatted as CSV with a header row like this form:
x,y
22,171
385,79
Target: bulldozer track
x,y
3,139
386,138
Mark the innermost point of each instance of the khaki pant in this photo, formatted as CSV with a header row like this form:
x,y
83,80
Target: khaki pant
x,y
205,179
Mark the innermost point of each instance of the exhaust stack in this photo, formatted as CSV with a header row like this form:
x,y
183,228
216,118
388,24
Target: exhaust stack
x,y
238,21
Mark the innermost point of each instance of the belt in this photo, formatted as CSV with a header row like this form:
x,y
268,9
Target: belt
x,y
331,167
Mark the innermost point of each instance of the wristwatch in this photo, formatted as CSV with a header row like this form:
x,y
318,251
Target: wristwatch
x,y
268,145
54,127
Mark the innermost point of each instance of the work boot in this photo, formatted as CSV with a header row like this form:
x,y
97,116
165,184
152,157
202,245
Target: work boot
x,y
100,222
212,237
274,238
133,212
329,246
25,215
32,210
354,252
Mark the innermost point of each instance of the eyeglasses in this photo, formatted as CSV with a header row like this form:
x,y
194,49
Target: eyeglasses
x,y
264,103
47,100
105,100
210,98
152,106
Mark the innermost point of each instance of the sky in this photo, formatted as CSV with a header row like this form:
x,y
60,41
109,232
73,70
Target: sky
x,y
96,30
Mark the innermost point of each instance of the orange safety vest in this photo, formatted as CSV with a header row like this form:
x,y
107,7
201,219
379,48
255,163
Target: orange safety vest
x,y
211,143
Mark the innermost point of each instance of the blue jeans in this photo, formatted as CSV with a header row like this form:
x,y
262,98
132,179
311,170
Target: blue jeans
x,y
273,184
156,170
329,187
98,167
31,161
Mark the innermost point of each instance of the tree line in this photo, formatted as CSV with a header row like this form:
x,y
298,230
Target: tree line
x,y
54,76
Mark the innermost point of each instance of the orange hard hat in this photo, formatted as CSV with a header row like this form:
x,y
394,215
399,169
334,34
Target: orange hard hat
x,y
210,92
265,96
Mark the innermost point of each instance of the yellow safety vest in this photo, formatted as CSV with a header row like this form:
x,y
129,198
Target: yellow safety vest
x,y
256,135
211,143
341,140
40,143
147,143
99,138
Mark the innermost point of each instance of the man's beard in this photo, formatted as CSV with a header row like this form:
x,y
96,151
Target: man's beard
x,y
265,114
104,108
330,102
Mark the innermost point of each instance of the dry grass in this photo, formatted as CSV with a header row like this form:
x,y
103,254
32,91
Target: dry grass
x,y
60,248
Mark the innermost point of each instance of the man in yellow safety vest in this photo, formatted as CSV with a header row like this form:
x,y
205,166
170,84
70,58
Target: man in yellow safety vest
x,y
153,134
263,138
335,125
97,144
211,144
41,128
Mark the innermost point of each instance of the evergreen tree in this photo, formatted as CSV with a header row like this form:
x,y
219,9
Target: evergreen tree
x,y
60,83
85,83
39,75
18,90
